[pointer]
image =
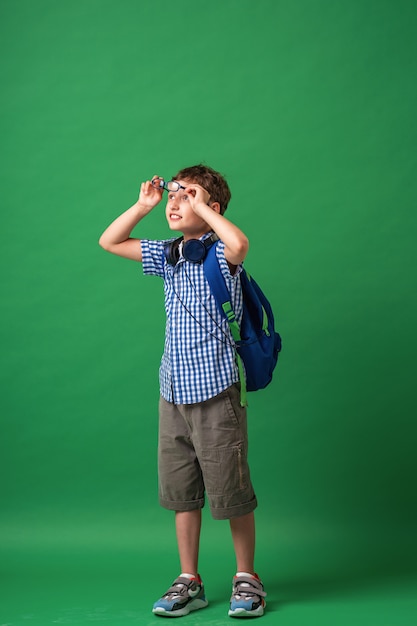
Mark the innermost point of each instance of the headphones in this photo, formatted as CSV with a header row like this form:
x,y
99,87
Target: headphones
x,y
193,250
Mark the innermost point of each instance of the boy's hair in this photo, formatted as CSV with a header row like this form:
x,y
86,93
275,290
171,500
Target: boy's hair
x,y
211,180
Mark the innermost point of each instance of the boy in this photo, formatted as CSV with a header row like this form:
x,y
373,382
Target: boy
x,y
202,426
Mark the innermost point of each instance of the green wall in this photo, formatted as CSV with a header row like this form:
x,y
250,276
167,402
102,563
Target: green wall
x,y
308,108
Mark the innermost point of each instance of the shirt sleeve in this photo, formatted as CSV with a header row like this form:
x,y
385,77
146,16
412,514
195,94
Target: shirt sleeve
x,y
153,259
224,266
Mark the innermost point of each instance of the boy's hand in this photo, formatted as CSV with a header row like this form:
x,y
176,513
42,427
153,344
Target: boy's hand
x,y
198,197
149,195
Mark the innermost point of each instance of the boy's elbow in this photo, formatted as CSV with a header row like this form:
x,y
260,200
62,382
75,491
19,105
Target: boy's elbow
x,y
103,243
238,252
243,247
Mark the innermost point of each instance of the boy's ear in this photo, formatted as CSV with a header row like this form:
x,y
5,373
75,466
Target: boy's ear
x,y
215,206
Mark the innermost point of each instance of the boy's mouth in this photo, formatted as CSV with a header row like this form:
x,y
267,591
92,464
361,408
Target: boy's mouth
x,y
174,216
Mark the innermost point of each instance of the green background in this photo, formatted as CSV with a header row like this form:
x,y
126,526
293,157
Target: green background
x,y
309,109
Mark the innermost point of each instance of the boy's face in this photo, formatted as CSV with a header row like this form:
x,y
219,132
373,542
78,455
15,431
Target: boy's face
x,y
180,215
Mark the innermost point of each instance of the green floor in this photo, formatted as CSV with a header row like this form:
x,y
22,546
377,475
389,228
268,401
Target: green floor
x,y
123,598
111,575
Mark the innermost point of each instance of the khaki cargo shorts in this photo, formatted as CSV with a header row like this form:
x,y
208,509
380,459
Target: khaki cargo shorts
x,y
203,450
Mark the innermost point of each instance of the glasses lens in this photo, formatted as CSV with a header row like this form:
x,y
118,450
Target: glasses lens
x,y
158,183
172,185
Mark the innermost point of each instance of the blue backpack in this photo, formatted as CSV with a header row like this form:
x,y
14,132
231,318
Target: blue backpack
x,y
257,344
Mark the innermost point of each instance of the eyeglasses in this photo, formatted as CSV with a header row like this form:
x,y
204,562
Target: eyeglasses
x,y
170,185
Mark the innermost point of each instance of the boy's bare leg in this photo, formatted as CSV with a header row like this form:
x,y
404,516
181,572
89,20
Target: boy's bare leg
x,y
188,526
243,534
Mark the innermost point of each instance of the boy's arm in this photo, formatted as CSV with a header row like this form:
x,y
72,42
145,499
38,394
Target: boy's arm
x,y
235,241
116,238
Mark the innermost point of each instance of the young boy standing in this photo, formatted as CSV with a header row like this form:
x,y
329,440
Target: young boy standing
x,y
202,426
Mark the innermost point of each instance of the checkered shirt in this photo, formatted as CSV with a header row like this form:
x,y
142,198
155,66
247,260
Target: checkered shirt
x,y
199,359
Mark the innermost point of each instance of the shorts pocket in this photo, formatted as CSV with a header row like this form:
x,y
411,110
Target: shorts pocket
x,y
225,470
235,412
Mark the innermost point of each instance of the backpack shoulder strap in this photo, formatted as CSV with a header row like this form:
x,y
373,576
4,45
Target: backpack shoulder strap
x,y
215,278
221,294
220,291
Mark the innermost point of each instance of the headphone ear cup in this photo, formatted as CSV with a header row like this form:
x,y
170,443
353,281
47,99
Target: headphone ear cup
x,y
194,250
171,251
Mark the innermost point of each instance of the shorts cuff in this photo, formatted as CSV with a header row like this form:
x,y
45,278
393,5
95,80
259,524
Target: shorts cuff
x,y
234,511
191,505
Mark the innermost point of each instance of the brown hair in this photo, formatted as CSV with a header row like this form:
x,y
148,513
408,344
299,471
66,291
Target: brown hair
x,y
211,180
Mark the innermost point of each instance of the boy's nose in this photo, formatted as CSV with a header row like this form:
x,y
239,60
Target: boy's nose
x,y
173,203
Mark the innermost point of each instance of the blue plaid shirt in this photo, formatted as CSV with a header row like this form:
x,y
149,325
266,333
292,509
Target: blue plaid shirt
x,y
199,359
